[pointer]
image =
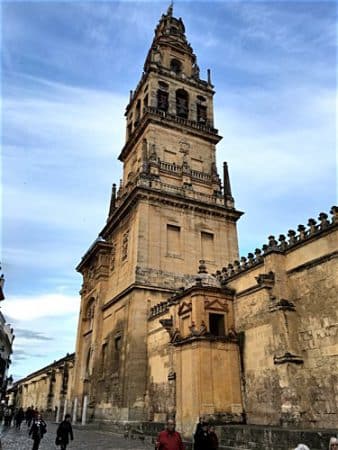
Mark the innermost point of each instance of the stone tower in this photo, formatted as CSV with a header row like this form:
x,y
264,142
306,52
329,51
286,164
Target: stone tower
x,y
169,212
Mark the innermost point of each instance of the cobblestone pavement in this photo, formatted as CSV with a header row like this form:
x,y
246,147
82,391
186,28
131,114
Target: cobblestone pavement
x,y
83,440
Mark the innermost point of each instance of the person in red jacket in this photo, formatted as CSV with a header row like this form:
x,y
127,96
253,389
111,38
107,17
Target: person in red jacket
x,y
169,439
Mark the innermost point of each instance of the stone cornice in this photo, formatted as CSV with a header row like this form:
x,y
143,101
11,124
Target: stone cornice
x,y
130,289
97,246
206,338
142,192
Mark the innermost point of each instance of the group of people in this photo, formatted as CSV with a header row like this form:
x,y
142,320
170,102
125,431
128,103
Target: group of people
x,y
205,438
63,432
18,415
37,427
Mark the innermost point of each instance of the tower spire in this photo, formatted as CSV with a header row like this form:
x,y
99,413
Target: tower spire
x,y
228,199
170,8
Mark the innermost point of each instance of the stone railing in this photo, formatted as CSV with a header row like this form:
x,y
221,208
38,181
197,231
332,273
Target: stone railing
x,y
283,244
158,185
170,167
180,120
159,309
178,169
202,176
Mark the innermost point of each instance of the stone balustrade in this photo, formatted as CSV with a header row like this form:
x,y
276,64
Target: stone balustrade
x,y
205,127
156,184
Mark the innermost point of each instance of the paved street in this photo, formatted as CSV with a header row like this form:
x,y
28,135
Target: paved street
x,y
83,440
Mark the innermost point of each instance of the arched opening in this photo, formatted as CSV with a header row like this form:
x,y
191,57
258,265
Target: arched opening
x,y
201,109
162,100
137,112
176,66
182,103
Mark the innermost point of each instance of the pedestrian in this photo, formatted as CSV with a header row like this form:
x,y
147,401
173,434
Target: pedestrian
x,y
8,416
169,439
202,438
63,432
333,445
19,416
197,429
213,439
37,431
29,416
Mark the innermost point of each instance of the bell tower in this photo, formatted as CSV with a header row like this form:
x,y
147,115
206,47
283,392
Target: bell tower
x,y
170,211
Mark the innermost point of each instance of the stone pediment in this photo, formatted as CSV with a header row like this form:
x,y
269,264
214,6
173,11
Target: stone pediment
x,y
184,308
216,305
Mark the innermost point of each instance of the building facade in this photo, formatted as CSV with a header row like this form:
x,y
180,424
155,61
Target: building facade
x,y
6,343
47,389
172,321
170,212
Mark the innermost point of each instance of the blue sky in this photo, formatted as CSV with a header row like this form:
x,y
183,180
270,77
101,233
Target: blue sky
x,y
67,68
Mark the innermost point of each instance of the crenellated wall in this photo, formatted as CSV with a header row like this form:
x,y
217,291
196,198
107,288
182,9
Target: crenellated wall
x,y
286,305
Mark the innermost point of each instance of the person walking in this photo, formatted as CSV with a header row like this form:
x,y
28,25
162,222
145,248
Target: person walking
x,y
213,439
169,439
197,430
37,431
63,432
202,441
19,417
8,416
29,416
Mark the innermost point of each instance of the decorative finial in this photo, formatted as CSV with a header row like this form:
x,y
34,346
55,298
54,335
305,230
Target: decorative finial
x,y
170,9
202,267
209,76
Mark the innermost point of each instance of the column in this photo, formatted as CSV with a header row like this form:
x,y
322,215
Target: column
x,y
84,410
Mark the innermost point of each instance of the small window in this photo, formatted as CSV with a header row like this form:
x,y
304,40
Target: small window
x,y
216,324
176,66
145,101
173,240
207,244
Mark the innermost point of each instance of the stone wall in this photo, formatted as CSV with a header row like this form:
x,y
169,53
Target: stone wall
x,y
286,305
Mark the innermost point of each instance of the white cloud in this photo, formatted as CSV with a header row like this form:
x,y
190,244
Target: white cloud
x,y
41,306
